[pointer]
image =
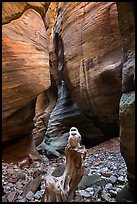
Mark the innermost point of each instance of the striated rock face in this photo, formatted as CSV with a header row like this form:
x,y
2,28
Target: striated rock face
x,y
45,104
14,10
25,67
92,61
66,112
127,101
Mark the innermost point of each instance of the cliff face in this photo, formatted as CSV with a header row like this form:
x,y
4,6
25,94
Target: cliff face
x,y
25,67
127,101
88,50
89,60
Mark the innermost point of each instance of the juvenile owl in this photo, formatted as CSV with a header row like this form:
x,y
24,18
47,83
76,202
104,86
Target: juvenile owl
x,y
74,138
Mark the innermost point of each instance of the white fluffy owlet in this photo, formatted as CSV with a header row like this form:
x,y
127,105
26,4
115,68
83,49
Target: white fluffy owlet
x,y
74,138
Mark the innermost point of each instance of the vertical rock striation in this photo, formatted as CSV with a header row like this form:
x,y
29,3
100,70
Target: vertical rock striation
x,y
93,62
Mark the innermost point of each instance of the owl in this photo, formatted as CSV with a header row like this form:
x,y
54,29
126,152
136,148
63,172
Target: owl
x,y
74,138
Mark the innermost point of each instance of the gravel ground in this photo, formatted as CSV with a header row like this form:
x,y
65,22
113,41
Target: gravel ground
x,y
105,176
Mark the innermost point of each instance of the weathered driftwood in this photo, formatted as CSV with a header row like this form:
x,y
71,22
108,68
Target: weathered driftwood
x,y
61,189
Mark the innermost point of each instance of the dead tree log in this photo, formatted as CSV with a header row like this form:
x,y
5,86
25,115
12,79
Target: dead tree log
x,y
61,189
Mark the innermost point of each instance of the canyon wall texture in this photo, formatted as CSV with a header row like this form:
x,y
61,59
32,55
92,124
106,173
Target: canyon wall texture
x,y
88,47
127,101
25,66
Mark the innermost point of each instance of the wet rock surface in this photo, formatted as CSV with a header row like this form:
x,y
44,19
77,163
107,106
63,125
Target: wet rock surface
x,y
104,177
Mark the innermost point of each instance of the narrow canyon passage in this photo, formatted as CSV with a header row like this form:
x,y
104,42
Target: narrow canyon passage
x,y
69,65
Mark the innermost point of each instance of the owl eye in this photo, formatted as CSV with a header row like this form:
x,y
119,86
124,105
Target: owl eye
x,y
73,129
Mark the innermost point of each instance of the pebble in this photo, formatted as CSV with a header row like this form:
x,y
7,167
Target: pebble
x,y
20,197
22,200
21,176
121,180
38,194
114,168
29,195
19,185
7,188
85,193
113,179
108,186
105,169
89,189
113,193
118,189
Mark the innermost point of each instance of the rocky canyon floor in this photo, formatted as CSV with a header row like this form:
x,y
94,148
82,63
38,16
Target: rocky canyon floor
x,y
104,177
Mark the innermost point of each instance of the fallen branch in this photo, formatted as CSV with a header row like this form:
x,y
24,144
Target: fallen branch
x,y
61,189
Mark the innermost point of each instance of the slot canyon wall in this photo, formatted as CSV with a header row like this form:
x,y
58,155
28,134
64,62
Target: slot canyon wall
x,y
127,100
25,70
69,64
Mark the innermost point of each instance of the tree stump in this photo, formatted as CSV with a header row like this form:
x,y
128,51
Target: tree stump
x,y
61,189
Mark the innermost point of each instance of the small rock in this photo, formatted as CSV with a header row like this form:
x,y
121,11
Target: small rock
x,y
12,196
4,173
7,188
11,180
36,200
22,200
4,199
85,193
10,185
118,189
19,185
105,197
106,174
105,169
5,182
113,193
97,173
121,180
113,179
104,191
108,165
14,177
29,195
91,171
108,186
21,176
20,197
114,168
42,186
89,189
38,195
